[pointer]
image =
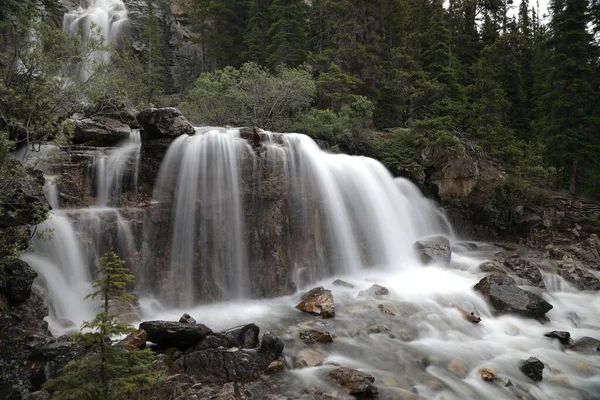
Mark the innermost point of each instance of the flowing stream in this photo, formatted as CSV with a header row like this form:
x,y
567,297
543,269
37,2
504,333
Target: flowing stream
x,y
349,219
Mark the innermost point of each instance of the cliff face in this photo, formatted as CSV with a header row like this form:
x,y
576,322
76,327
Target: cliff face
x,y
184,58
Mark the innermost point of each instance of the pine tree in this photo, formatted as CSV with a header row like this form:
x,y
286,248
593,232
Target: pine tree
x,y
566,103
256,36
221,26
288,33
154,76
106,371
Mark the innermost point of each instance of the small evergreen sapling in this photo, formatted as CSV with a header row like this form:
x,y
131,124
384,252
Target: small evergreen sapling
x,y
107,371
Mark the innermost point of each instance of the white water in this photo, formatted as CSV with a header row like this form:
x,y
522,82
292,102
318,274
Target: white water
x,y
103,17
68,246
111,167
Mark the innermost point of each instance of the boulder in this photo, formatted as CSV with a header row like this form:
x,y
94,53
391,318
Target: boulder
x,y
99,131
231,365
245,336
533,368
308,358
341,283
375,290
578,276
174,334
312,336
357,383
318,301
505,296
431,251
562,336
164,123
525,269
187,319
16,279
135,340
212,341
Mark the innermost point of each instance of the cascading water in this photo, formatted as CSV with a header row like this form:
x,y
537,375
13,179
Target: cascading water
x,y
70,242
199,184
111,167
103,17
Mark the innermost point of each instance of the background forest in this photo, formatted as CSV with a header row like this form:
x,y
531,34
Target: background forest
x,y
383,78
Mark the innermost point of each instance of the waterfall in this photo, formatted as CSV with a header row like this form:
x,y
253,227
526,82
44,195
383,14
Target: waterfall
x,y
346,214
103,17
111,167
70,242
199,182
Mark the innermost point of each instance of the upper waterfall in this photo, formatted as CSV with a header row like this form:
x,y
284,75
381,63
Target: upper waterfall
x,y
103,17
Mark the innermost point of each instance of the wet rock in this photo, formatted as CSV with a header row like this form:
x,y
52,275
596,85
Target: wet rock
x,y
470,246
276,366
312,336
471,317
423,363
100,131
578,275
16,280
271,346
308,358
230,365
533,368
318,301
492,266
164,123
375,290
187,319
212,341
135,340
562,336
245,336
458,369
587,345
385,310
434,251
505,296
487,374
377,328
525,269
66,323
341,283
175,334
357,383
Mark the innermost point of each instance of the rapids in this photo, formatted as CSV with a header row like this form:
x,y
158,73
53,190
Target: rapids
x,y
361,223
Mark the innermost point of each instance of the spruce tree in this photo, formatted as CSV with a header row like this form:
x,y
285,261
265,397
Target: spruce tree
x,y
288,33
153,60
106,371
256,36
565,103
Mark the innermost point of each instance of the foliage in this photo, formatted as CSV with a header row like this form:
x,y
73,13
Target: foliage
x,y
106,371
153,61
250,95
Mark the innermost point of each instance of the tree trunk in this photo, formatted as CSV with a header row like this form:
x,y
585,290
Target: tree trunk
x,y
573,176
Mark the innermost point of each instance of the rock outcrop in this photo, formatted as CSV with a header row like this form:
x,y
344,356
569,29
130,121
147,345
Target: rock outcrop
x,y
505,296
99,131
160,123
168,334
